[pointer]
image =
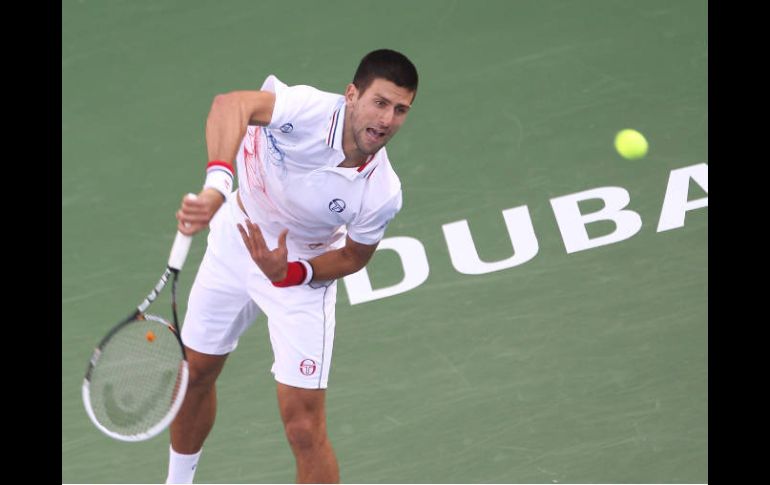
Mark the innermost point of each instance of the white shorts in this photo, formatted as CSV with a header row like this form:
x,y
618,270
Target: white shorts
x,y
230,292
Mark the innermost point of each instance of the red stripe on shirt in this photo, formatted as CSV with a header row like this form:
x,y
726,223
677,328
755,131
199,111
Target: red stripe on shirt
x,y
361,168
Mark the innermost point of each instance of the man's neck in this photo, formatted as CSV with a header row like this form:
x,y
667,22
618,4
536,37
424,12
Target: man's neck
x,y
353,156
353,162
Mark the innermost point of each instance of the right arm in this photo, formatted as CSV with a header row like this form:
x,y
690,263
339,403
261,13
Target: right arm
x,y
228,118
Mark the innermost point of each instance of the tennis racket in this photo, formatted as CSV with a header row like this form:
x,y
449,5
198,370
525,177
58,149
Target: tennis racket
x,y
137,376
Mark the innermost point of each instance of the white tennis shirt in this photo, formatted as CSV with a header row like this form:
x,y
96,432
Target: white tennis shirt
x,y
288,176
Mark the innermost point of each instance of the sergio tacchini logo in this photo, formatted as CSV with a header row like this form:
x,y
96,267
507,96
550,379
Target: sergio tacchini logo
x,y
337,205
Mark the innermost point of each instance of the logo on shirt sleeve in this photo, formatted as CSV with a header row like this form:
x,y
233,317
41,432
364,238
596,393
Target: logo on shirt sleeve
x,y
287,128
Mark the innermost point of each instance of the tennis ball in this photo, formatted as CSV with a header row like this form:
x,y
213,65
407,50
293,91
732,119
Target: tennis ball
x,y
150,336
631,144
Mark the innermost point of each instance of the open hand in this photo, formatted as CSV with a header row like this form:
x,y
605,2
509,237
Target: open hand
x,y
272,262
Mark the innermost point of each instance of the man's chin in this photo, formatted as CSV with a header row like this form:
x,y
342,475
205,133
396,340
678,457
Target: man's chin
x,y
377,148
369,148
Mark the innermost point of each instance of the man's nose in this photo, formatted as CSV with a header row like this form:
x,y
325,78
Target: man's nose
x,y
386,118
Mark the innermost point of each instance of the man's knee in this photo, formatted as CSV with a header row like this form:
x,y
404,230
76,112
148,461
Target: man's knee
x,y
204,369
304,434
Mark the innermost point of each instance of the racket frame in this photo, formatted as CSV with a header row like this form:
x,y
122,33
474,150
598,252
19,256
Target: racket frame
x,y
176,260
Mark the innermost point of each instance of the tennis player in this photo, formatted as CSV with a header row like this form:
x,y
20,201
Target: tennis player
x,y
316,192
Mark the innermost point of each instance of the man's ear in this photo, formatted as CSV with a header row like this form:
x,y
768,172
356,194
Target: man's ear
x,y
351,93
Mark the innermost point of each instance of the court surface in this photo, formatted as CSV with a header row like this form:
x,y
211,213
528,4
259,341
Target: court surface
x,y
588,366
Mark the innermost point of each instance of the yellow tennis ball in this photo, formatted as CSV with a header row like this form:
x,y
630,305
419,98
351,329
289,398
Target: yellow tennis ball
x,y
631,144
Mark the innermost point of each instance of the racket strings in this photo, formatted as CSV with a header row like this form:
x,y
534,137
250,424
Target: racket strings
x,y
136,381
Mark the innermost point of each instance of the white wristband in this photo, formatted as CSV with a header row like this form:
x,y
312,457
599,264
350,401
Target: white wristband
x,y
219,176
308,271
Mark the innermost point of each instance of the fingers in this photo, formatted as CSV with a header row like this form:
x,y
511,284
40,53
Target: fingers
x,y
195,206
282,239
246,239
271,262
252,237
189,229
186,230
191,200
194,211
191,216
255,241
192,219
246,235
256,237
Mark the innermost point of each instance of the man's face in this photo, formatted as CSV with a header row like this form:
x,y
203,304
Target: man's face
x,y
377,113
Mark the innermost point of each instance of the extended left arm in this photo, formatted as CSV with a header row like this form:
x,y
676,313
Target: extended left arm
x,y
330,265
335,264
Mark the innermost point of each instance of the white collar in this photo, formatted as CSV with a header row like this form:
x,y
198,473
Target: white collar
x,y
333,139
333,132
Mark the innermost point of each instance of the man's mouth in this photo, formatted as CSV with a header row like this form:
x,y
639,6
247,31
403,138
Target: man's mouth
x,y
375,135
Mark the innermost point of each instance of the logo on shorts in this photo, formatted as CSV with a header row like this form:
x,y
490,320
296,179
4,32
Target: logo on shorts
x,y
337,205
287,128
307,367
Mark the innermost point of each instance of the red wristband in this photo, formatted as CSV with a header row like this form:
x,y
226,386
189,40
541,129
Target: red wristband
x,y
219,176
220,163
295,275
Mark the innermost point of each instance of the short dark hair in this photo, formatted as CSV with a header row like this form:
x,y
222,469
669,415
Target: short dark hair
x,y
386,64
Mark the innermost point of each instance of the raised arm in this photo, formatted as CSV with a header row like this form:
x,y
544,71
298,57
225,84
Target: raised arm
x,y
228,118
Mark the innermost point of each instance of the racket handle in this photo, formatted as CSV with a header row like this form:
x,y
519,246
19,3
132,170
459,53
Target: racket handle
x,y
179,251
180,248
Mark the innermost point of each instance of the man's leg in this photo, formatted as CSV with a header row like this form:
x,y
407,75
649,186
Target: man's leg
x,y
304,419
196,416
219,310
